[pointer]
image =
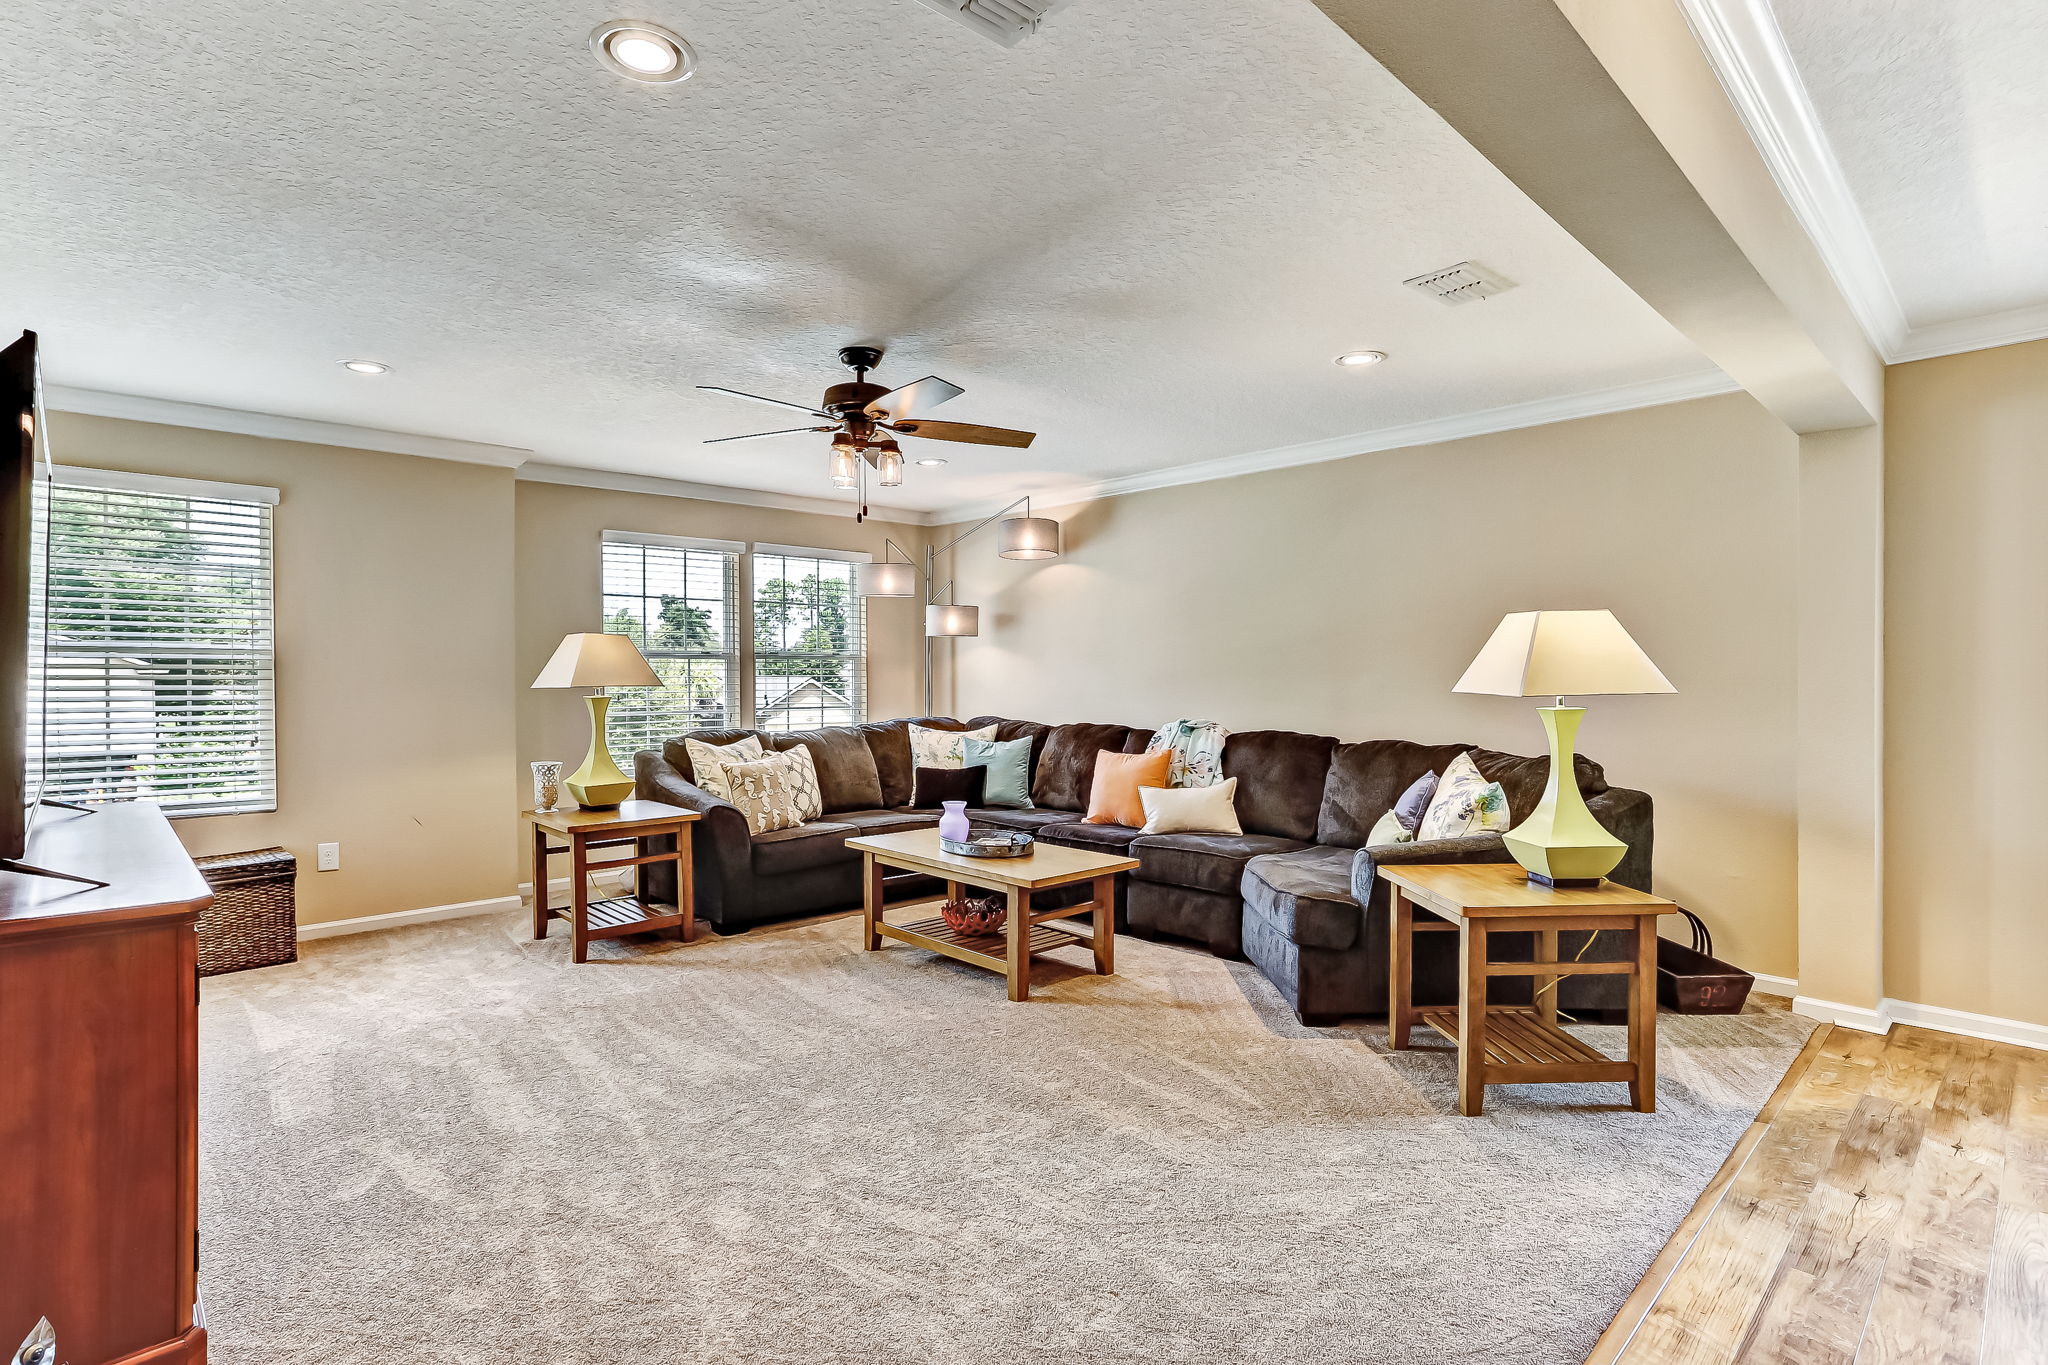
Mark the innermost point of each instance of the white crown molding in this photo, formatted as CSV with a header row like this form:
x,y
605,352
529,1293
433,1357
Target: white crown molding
x,y
169,412
1746,48
1975,334
575,476
1514,417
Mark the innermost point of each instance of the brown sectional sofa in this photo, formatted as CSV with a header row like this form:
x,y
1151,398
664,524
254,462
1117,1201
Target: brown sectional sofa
x,y
1297,893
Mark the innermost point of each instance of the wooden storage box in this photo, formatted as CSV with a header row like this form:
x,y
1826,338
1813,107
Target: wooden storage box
x,y
1694,981
254,921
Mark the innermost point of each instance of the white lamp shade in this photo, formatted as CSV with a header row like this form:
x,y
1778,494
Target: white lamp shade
x,y
943,620
597,661
1561,654
886,580
1028,538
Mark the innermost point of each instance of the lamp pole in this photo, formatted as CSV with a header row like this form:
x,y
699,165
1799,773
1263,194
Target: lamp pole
x,y
932,591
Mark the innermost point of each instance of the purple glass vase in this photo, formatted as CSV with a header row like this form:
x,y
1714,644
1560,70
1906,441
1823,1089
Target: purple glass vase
x,y
953,824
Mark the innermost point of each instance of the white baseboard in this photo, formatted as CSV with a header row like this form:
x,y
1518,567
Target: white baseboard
x,y
1967,1024
1848,1016
1766,984
335,928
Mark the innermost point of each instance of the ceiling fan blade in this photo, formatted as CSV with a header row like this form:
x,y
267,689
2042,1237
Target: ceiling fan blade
x,y
756,435
777,402
966,431
918,396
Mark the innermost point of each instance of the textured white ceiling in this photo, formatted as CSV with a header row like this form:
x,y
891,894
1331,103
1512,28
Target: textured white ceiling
x,y
1142,233
1937,111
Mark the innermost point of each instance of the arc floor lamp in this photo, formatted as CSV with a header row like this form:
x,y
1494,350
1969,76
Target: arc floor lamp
x,y
1020,537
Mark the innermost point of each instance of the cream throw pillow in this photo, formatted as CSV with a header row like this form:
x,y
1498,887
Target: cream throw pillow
x,y
777,792
1389,830
1465,803
709,762
1191,810
941,748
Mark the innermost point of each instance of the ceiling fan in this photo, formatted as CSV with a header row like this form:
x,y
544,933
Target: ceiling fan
x,y
865,420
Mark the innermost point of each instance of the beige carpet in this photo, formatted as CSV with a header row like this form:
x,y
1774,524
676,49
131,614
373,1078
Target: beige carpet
x,y
446,1144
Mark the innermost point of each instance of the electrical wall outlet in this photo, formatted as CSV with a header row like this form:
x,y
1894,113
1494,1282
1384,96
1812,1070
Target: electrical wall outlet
x,y
330,858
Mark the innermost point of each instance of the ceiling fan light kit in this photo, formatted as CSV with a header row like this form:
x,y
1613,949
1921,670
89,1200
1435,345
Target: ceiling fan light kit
x,y
866,419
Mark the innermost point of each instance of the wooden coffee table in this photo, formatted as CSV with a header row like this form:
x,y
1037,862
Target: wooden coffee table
x,y
1025,934
618,916
1518,1044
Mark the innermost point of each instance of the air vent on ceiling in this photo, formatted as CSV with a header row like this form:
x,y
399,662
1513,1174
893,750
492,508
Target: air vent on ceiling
x,y
1461,283
1009,22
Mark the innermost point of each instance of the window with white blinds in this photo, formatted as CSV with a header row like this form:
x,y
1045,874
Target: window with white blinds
x,y
160,665
810,648
679,601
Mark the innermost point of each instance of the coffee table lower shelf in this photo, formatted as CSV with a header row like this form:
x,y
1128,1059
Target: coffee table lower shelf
x,y
981,950
1523,1046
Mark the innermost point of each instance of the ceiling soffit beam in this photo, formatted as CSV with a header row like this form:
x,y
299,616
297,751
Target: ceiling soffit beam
x,y
1524,82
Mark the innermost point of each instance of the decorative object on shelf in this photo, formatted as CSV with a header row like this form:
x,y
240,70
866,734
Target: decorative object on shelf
x,y
547,787
865,419
953,824
590,659
1560,654
975,917
1024,537
989,843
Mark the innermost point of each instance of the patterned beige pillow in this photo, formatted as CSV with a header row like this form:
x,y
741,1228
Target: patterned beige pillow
x,y
1465,803
778,792
709,762
941,748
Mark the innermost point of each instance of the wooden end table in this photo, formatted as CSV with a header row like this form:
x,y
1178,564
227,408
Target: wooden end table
x,y
1518,1044
1025,934
616,916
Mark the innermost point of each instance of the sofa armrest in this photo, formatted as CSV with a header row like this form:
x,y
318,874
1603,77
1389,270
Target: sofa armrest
x,y
1472,848
723,849
1628,816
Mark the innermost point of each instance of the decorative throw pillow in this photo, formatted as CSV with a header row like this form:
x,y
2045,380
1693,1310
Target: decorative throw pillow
x,y
1191,810
936,786
1113,797
1388,829
1465,803
1008,765
1197,749
776,792
1414,803
941,748
709,761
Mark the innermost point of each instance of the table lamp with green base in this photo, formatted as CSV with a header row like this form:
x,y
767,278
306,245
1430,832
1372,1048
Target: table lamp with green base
x,y
1560,654
592,660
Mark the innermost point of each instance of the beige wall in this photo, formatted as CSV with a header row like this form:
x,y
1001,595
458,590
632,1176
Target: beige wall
x,y
1967,705
394,661
559,530
1345,598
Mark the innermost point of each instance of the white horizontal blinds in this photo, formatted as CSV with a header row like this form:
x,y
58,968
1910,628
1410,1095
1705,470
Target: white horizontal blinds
x,y
810,659
159,682
679,601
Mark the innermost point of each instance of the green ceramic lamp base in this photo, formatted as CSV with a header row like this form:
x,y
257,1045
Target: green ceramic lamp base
x,y
598,784
1561,843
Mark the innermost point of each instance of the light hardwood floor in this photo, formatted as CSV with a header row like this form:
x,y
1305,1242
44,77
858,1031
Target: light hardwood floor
x,y
1889,1206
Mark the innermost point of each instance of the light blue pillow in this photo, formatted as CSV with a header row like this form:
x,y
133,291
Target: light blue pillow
x,y
1009,770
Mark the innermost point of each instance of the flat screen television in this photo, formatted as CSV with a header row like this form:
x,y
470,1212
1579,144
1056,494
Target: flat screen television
x,y
24,581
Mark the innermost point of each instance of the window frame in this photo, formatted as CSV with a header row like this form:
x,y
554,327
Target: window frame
x,y
855,659
627,729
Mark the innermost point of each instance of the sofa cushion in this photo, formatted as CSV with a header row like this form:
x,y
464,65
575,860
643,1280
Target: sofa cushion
x,y
1017,729
1207,862
937,786
818,844
1306,896
679,757
886,821
1280,780
1030,821
889,742
1111,839
1523,779
1066,768
847,776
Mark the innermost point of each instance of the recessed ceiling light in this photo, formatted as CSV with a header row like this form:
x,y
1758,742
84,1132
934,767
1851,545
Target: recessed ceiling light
x,y
1355,358
366,367
932,463
645,52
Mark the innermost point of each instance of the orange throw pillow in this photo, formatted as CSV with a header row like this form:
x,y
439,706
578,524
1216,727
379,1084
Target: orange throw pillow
x,y
1113,796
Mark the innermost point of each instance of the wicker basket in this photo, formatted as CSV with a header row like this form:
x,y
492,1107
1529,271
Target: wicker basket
x,y
254,920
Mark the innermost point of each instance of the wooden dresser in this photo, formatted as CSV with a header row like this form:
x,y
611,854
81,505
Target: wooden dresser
x,y
99,1091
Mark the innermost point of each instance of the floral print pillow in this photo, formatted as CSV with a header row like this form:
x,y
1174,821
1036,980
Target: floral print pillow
x,y
1465,803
